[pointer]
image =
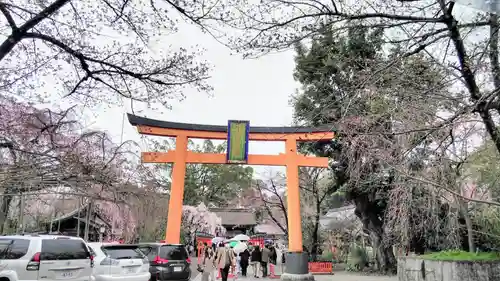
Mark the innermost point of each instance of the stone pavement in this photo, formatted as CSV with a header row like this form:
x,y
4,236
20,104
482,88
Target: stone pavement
x,y
338,276
194,266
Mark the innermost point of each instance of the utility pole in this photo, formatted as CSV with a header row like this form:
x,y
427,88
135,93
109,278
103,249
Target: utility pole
x,y
20,228
51,221
78,216
87,221
61,213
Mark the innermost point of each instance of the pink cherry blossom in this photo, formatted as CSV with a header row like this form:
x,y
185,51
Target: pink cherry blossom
x,y
47,149
121,218
200,219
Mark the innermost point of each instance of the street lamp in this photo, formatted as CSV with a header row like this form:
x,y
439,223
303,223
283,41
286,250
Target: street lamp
x,y
102,229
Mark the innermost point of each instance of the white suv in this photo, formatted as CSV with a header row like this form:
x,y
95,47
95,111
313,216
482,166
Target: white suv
x,y
119,262
44,257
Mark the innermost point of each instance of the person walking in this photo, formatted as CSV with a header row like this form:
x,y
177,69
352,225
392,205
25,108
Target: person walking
x,y
273,258
244,257
238,261
208,265
191,249
219,248
255,258
225,261
266,253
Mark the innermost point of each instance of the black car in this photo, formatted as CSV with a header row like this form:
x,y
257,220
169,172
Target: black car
x,y
167,261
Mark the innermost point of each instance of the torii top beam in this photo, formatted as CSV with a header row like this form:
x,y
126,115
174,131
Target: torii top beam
x,y
148,126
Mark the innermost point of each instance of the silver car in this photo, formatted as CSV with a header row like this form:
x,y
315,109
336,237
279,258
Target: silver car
x,y
122,262
44,257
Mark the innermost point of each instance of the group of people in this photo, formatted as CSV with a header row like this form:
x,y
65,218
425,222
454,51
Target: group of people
x,y
224,258
258,258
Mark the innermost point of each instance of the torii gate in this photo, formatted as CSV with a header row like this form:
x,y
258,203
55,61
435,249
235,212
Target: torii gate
x,y
238,134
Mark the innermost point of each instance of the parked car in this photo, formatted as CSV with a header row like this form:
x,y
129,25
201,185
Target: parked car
x,y
167,261
44,257
121,262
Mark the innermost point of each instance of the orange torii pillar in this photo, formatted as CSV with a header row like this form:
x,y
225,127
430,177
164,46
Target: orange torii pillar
x,y
238,134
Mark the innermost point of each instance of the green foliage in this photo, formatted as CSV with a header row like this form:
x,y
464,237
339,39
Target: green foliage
x,y
483,168
155,232
357,258
308,233
338,85
184,238
487,221
329,71
337,199
327,256
456,255
209,183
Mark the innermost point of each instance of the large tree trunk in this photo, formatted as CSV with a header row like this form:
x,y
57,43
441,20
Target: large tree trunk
x,y
385,259
368,214
468,224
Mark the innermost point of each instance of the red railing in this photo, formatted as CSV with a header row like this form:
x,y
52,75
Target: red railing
x,y
257,241
314,268
320,267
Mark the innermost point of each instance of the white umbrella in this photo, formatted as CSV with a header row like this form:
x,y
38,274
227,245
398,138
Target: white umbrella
x,y
240,247
217,240
240,237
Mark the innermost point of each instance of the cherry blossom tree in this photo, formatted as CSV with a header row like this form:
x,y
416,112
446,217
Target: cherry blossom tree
x,y
30,142
98,51
151,210
41,149
200,219
121,218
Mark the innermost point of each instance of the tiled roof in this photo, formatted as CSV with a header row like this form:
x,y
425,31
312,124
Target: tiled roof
x,y
235,216
268,228
338,216
342,211
82,211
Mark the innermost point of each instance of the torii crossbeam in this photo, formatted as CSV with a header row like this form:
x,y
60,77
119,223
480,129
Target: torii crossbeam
x,y
237,134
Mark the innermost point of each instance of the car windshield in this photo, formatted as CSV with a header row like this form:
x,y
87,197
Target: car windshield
x,y
173,252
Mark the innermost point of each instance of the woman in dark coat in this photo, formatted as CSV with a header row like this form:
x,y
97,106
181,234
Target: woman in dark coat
x,y
255,259
273,257
244,258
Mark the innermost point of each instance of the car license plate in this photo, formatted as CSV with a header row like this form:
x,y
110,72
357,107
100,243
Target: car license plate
x,y
177,269
67,274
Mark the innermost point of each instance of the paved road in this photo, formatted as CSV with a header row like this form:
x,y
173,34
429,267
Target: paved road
x,y
194,266
338,276
348,276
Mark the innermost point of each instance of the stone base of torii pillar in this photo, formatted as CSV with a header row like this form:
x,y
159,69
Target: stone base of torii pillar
x,y
297,267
